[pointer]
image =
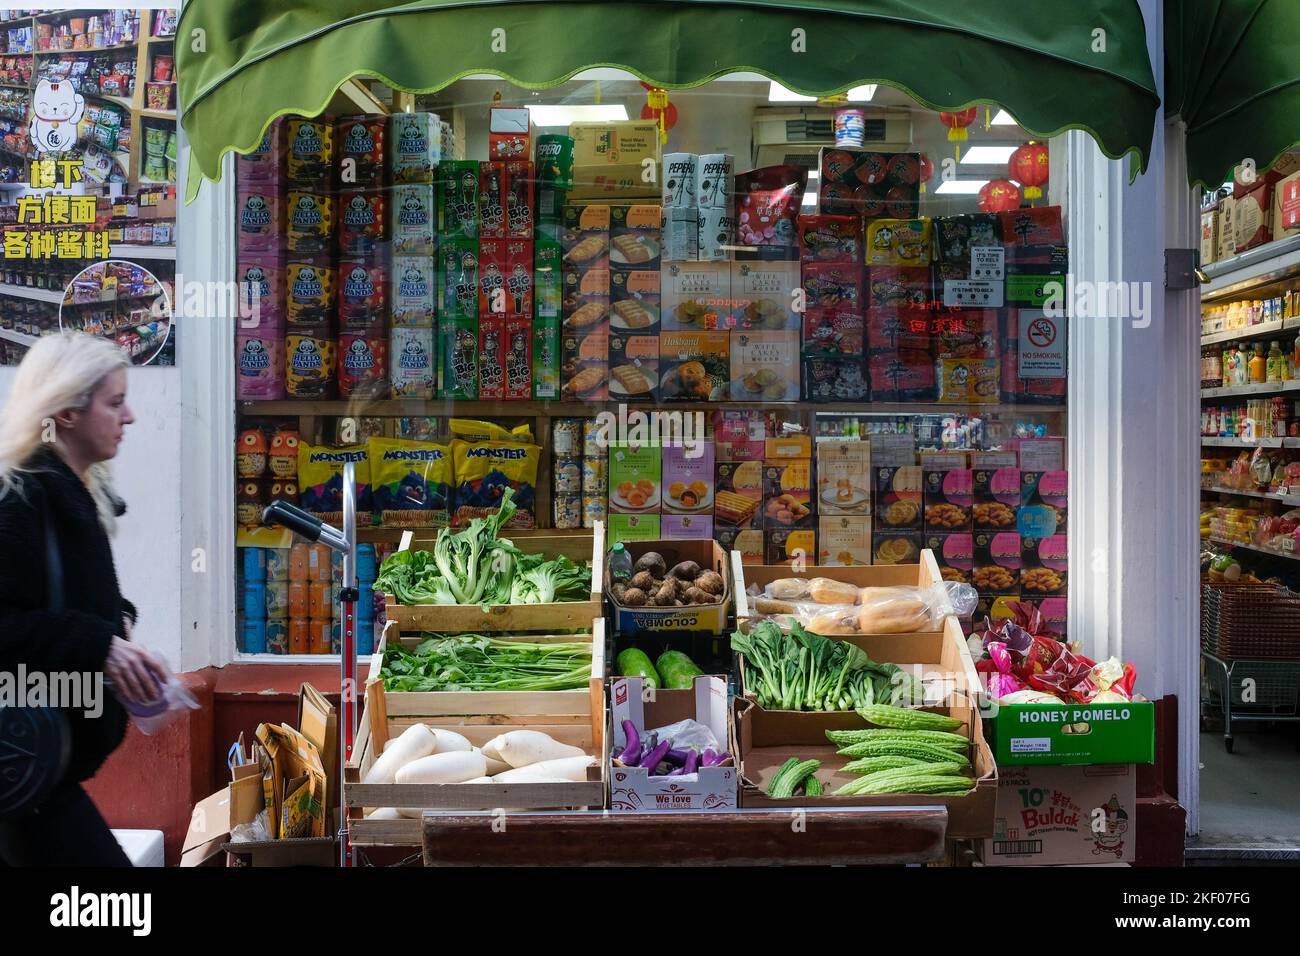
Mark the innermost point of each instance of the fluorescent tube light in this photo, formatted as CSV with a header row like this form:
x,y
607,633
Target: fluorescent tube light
x,y
779,94
563,114
862,94
1003,118
988,155
962,187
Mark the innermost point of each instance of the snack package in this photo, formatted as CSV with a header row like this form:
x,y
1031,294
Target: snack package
x,y
828,607
869,184
413,358
411,483
766,210
311,289
413,217
763,296
310,362
834,380
363,222
363,364
261,219
832,333
898,242
458,199
311,151
830,239
484,470
310,223
320,481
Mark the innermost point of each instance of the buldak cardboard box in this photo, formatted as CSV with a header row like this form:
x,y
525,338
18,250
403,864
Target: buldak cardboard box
x,y
632,789
1064,815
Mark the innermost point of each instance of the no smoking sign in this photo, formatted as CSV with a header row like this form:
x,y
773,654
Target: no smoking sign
x,y
1042,345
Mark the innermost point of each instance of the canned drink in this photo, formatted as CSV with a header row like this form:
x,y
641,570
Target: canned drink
x,y
413,214
299,642
319,558
412,362
415,146
568,512
254,639
297,596
299,561
680,172
566,437
568,476
254,564
277,637
717,234
254,600
319,600
277,599
713,180
553,159
366,566
318,635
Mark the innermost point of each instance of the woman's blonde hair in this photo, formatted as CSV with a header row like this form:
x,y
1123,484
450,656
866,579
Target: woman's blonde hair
x,y
58,373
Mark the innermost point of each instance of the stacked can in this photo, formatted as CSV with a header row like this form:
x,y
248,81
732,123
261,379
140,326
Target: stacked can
x,y
260,268
253,591
553,162
416,148
310,599
595,473
277,600
566,472
365,614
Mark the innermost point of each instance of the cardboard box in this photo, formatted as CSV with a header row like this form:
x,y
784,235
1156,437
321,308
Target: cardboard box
x,y
1286,207
844,478
688,482
1043,566
1050,735
643,527
788,493
635,479
894,547
685,527
1210,231
791,547
584,365
763,296
948,499
698,618
319,722
696,296
954,554
738,493
899,500
996,562
1227,229
764,366
1064,816
1250,218
294,784
1044,503
505,285
546,358
843,540
745,542
632,789
510,133
635,302
458,199
739,435
694,366
548,279
519,358
788,446
996,497
609,160
491,357
633,366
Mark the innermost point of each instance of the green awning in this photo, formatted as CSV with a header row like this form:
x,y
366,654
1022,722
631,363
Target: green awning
x,y
1232,71
255,60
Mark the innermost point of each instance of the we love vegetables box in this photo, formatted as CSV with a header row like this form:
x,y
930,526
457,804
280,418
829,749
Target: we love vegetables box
x,y
1033,735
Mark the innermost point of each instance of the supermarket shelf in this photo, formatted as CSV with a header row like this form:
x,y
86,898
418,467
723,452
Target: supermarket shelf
x,y
121,101
1257,443
170,39
559,409
1258,388
40,295
1251,332
18,86
102,49
1256,267
18,337
1289,500
124,251
159,114
1292,555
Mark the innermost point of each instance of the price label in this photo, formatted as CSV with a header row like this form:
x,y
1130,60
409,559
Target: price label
x,y
973,293
988,263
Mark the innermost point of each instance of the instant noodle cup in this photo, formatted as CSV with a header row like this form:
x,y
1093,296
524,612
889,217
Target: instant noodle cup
x,y
363,149
363,222
310,362
310,223
320,484
261,213
484,470
310,291
363,364
311,152
261,293
411,482
363,293
259,367
412,361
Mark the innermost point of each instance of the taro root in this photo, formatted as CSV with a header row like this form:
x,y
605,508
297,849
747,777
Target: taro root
x,y
710,581
653,562
634,597
685,571
643,580
697,596
617,590
666,596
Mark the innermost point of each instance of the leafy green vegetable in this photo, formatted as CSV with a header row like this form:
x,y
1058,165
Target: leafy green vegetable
x,y
473,662
475,566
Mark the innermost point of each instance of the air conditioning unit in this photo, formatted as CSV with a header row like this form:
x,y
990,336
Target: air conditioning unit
x,y
794,136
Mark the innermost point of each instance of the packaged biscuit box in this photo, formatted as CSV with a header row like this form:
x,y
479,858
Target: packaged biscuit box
x,y
363,363
634,302
413,220
1044,502
458,277
687,486
739,434
311,291
363,292
792,547
954,552
634,527
634,237
899,498
310,160
413,359
696,296
869,184
633,366
586,278
788,494
995,497
898,242
320,481
411,483
310,218
261,292
458,347
414,146
738,493
518,358
764,366
747,541
491,357
833,333
844,540
948,499
414,291
844,478
830,239
635,479
763,296
310,359
546,358
363,222
584,366
259,367
694,366
1043,564
362,150
261,211
834,380
685,527
995,565
895,547
458,199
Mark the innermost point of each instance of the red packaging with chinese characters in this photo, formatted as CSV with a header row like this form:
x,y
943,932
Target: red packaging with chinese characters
x,y
767,206
491,357
889,329
1040,226
906,375
832,333
830,239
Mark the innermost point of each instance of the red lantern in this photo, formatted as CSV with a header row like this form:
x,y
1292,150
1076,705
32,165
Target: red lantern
x,y
1029,166
999,196
660,110
927,170
957,123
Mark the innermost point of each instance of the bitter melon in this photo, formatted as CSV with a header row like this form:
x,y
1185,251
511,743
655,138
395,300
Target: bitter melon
x,y
935,738
903,718
901,748
784,785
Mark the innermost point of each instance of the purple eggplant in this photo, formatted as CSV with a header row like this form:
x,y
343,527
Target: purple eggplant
x,y
676,757
709,756
692,762
655,756
677,773
633,750
712,759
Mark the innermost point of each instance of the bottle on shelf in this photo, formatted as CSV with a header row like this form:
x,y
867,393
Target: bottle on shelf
x,y
620,563
1274,363
1258,365
1241,365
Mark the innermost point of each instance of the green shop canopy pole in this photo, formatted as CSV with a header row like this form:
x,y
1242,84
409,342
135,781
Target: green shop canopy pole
x,y
1054,66
1232,72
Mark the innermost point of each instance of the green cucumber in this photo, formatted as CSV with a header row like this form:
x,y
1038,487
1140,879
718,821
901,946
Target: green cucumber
x,y
634,662
677,670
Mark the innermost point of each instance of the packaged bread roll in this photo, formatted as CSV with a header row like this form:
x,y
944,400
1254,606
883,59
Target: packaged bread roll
x,y
835,622
826,591
787,589
892,610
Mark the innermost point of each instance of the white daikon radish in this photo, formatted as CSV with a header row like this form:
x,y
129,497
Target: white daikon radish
x,y
495,766
487,779
384,813
489,749
455,767
566,768
519,748
415,742
534,778
449,741
408,813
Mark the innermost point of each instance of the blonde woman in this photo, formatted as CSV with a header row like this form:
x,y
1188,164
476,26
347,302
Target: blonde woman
x,y
60,608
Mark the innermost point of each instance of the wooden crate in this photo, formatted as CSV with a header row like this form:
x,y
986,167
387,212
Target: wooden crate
x,y
574,717
508,618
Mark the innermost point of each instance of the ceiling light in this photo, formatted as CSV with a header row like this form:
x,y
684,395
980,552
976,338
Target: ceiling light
x,y
1003,118
962,187
810,199
779,94
564,114
862,94
814,174
988,155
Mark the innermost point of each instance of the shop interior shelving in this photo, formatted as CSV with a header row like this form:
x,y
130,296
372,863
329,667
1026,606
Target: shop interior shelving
x,y
38,295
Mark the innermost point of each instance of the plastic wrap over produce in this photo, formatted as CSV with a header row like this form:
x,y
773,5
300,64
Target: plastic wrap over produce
x,y
835,608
